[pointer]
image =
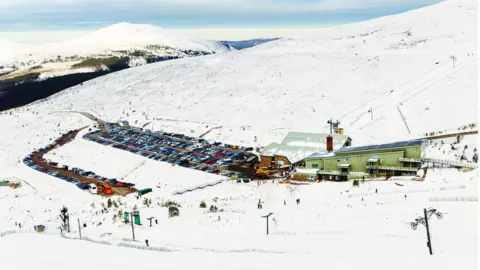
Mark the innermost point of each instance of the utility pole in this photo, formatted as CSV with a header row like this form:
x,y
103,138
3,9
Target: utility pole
x,y
266,217
79,229
429,242
133,228
424,221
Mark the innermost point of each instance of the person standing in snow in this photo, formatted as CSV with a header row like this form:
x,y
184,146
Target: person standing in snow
x,y
284,202
146,242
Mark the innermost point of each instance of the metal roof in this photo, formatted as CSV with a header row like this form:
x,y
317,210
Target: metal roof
x,y
270,149
298,145
381,146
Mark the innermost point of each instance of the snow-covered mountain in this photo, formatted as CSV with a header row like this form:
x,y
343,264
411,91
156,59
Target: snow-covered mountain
x,y
8,50
385,79
134,44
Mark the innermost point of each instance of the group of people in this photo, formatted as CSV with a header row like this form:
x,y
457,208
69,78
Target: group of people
x,y
260,204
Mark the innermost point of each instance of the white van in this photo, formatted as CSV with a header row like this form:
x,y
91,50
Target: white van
x,y
93,188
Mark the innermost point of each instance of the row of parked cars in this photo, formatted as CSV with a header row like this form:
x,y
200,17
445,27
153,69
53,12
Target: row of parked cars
x,y
201,146
181,141
28,161
168,147
82,185
159,153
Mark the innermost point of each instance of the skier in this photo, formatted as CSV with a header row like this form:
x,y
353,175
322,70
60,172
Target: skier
x,y
376,190
156,221
146,242
284,202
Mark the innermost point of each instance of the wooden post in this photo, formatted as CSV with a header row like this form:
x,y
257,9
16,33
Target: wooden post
x,y
79,229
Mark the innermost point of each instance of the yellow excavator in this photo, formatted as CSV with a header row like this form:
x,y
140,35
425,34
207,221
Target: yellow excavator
x,y
263,172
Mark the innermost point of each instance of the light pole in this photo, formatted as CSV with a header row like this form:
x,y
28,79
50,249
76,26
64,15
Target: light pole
x,y
453,59
424,221
266,217
133,228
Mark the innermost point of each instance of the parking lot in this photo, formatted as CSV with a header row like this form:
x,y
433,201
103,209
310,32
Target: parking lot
x,y
177,149
82,179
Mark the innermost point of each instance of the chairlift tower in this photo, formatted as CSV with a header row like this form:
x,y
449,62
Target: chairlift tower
x,y
333,125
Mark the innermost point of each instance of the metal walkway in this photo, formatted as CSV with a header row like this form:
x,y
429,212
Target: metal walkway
x,y
450,163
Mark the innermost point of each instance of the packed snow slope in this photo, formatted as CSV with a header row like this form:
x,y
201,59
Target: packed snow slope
x,y
399,66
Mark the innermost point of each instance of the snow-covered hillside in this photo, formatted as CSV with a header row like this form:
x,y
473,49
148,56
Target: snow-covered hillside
x,y
127,36
8,50
398,66
253,97
141,43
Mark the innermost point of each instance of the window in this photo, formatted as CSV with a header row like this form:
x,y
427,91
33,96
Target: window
x,y
315,166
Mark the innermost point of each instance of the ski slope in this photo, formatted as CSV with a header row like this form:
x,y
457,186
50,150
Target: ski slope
x,y
329,227
399,66
263,92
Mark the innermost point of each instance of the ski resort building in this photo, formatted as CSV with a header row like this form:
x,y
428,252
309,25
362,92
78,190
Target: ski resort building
x,y
296,146
392,159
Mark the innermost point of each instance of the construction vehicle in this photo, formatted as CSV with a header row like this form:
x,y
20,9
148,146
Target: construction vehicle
x,y
106,189
263,172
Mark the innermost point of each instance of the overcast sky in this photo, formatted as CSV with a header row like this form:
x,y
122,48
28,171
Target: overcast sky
x,y
28,15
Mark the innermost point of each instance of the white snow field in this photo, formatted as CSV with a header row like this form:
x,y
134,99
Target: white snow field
x,y
398,66
266,91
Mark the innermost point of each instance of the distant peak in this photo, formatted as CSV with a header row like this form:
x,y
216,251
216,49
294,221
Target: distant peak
x,y
127,25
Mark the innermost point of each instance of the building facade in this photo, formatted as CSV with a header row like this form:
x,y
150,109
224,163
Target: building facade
x,y
385,160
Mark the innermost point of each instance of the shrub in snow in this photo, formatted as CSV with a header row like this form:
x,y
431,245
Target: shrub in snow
x,y
213,209
203,204
170,204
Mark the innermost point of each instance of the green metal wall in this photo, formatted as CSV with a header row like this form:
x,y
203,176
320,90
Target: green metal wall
x,y
358,160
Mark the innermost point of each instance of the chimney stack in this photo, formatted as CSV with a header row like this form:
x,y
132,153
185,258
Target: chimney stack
x,y
329,143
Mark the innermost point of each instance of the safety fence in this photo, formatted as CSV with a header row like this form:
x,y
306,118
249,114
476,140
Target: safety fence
x,y
88,239
454,199
201,186
407,191
160,249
